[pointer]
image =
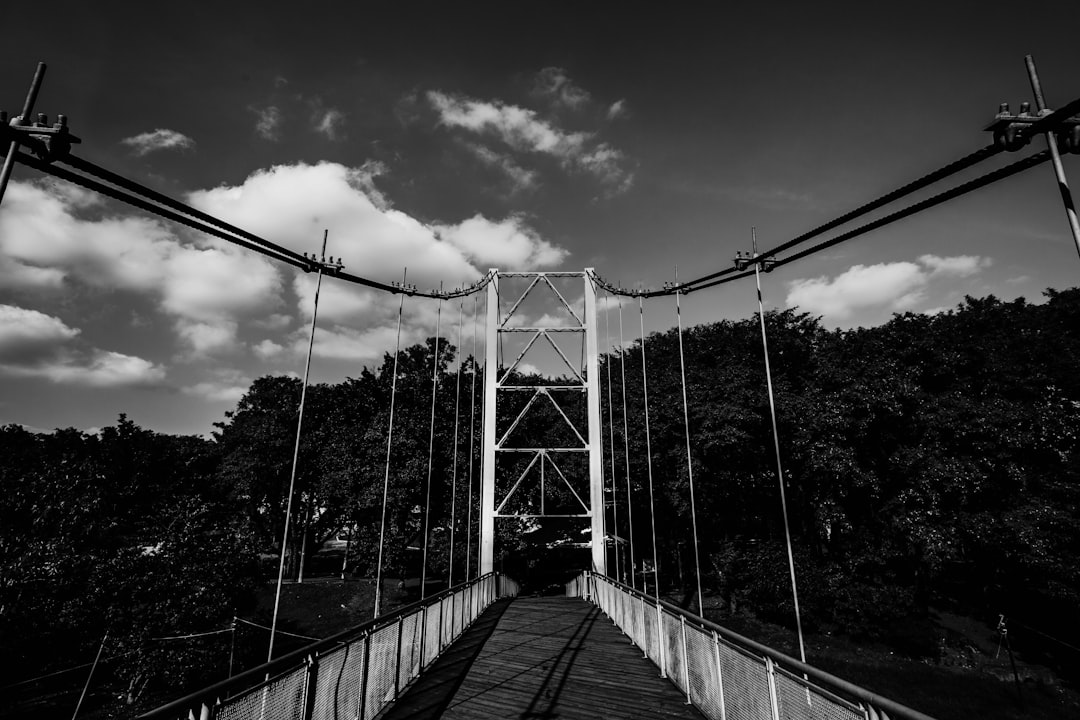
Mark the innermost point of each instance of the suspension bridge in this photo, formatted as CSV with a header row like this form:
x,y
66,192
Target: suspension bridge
x,y
605,647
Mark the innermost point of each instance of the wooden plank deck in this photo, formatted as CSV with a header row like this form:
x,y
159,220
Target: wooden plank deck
x,y
542,658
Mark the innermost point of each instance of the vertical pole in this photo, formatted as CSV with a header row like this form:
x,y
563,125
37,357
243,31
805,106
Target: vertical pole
x,y
431,453
472,436
457,413
1055,155
487,483
611,442
596,449
296,454
626,456
28,109
389,444
776,447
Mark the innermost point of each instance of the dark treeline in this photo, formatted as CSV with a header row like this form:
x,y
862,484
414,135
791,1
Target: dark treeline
x,y
930,462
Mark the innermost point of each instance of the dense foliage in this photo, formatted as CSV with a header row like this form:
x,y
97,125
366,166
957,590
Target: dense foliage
x,y
928,461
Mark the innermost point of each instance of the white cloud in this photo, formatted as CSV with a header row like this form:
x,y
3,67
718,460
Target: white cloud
x,y
207,338
508,244
36,345
329,123
555,85
895,286
268,122
160,139
225,385
274,321
617,110
523,130
960,265
42,232
267,349
520,178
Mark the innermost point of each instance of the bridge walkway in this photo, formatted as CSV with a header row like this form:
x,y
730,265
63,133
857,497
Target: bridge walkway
x,y
552,657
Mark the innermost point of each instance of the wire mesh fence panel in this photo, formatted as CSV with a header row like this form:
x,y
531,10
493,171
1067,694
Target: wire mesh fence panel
x,y
671,636
446,621
746,685
651,645
702,673
637,620
409,652
281,698
431,634
798,700
337,687
382,670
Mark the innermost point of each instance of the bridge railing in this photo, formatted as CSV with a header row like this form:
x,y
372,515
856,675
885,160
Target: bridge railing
x,y
728,676
353,674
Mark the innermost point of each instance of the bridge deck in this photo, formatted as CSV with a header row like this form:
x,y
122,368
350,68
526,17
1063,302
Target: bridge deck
x,y
542,658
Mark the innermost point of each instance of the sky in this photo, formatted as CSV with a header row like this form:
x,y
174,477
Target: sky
x,y
451,138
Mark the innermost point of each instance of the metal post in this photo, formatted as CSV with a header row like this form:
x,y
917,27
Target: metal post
x,y
397,662
487,483
719,674
362,710
685,659
28,109
596,451
770,677
660,644
1055,155
311,681
296,454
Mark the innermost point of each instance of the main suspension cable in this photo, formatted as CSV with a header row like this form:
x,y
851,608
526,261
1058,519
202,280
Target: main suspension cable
x,y
389,444
161,205
929,179
980,182
431,453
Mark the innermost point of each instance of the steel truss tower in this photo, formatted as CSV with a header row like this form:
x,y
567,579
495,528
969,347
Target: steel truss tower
x,y
582,379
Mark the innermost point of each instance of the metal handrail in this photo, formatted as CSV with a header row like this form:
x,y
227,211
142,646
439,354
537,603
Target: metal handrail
x,y
794,666
267,672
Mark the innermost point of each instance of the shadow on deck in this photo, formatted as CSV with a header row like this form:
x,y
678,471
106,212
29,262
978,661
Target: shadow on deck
x,y
541,658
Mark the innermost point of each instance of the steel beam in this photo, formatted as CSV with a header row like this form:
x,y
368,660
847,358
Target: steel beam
x,y
596,454
487,483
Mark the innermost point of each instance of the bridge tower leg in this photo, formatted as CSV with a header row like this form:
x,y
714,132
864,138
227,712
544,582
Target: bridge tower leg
x,y
596,452
591,384
487,483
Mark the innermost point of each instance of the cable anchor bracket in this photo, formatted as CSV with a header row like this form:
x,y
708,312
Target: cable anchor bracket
x,y
48,142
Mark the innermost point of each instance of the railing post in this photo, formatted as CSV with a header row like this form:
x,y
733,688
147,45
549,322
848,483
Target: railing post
x,y
771,679
685,656
423,637
442,625
364,676
719,674
397,662
660,640
644,642
311,685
